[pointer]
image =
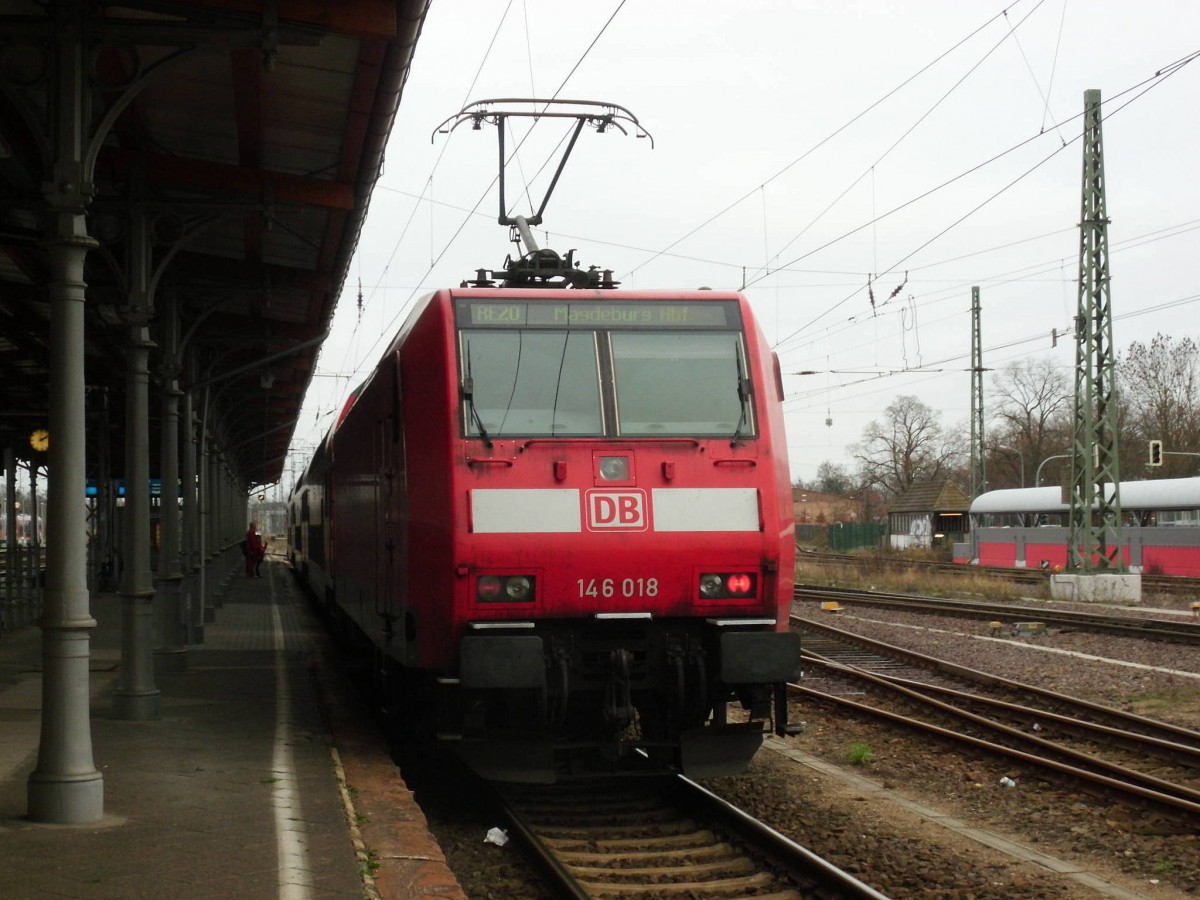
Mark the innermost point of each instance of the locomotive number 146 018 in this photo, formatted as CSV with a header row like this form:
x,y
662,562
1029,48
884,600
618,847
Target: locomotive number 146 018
x,y
618,587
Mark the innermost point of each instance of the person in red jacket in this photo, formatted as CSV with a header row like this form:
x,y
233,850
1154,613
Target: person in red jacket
x,y
255,550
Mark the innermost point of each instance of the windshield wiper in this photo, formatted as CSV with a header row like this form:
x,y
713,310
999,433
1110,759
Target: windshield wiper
x,y
516,375
562,361
468,391
744,391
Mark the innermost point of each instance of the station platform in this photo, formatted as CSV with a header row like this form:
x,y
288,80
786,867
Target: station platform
x,y
263,777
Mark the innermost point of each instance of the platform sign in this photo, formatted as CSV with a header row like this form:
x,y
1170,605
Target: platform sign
x,y
92,488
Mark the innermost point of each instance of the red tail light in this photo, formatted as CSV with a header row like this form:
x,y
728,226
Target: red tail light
x,y
727,586
740,584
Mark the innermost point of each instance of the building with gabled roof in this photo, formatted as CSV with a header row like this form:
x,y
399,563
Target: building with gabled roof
x,y
929,513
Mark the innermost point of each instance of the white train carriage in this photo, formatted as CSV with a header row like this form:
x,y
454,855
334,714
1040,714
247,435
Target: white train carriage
x,y
1029,527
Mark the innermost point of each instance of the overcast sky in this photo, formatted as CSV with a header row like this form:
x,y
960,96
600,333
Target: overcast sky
x,y
803,148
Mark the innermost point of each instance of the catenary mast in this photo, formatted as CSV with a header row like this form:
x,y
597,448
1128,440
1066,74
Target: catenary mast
x,y
1095,489
978,470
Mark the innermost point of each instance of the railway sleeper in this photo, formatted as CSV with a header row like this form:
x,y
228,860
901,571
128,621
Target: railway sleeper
x,y
736,867
703,851
731,887
683,842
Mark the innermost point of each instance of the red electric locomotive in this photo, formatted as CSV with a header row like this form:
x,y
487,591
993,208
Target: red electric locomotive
x,y
562,519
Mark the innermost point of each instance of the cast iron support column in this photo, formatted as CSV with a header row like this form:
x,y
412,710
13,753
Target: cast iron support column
x,y
193,603
204,522
228,513
212,562
136,696
105,556
239,506
236,520
32,607
172,655
65,787
172,618
7,620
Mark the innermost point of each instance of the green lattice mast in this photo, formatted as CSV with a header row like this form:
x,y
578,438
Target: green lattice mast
x,y
1095,474
978,470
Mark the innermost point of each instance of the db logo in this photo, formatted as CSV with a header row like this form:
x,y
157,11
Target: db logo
x,y
616,510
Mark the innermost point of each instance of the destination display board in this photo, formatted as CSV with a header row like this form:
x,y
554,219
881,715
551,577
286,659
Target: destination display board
x,y
592,314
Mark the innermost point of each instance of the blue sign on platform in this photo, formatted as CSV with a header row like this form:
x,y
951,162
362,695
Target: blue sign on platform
x,y
93,490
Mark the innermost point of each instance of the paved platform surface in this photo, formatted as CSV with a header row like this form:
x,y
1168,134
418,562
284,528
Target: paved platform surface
x,y
262,777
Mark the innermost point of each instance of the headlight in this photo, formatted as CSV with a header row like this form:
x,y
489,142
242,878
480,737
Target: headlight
x,y
614,468
505,589
519,588
710,586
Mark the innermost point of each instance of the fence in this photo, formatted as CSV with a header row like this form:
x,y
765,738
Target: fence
x,y
842,537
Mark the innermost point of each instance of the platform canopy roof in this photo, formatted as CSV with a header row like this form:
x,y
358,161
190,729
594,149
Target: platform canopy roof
x,y
241,143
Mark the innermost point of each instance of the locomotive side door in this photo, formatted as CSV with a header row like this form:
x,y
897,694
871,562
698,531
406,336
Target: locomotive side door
x,y
392,497
379,492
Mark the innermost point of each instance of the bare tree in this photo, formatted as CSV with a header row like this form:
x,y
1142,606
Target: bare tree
x,y
1031,421
907,446
1160,394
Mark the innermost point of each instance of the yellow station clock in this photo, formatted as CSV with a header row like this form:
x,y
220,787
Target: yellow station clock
x,y
40,440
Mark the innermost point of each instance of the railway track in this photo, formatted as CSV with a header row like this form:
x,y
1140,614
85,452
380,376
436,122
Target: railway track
x,y
870,563
1180,632
1159,584
664,838
1153,761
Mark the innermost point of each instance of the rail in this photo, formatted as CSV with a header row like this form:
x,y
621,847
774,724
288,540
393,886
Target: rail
x,y
1152,629
1078,708
1044,753
1161,584
666,837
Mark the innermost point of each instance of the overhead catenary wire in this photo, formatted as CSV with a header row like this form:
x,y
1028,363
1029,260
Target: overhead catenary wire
x,y
387,332
918,262
1066,334
870,170
1026,273
403,310
412,215
1054,64
822,142
939,366
1045,95
850,273
1142,88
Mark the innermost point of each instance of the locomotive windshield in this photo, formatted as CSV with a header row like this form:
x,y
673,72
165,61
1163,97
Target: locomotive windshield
x,y
590,369
533,382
